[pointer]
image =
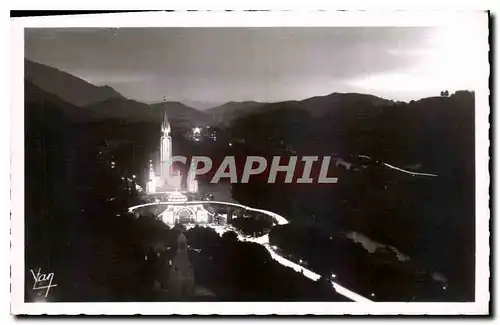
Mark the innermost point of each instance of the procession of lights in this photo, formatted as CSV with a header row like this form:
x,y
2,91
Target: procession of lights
x,y
264,241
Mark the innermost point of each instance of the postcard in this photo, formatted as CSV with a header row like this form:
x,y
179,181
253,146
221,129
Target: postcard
x,y
250,163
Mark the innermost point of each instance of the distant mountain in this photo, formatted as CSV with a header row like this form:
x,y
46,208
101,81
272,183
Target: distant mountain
x,y
351,124
38,99
129,110
182,115
69,88
316,106
200,105
234,106
105,103
321,105
83,101
226,113
122,108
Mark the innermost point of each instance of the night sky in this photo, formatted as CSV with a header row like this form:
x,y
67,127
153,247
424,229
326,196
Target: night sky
x,y
264,64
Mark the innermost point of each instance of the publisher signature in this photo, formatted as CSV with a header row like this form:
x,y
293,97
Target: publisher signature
x,y
43,281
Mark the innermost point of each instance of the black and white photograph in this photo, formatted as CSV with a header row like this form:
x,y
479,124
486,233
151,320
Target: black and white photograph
x,y
188,163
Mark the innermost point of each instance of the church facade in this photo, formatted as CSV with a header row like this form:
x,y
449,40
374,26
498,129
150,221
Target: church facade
x,y
180,213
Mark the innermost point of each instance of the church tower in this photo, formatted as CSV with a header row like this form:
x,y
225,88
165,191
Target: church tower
x,y
165,148
169,179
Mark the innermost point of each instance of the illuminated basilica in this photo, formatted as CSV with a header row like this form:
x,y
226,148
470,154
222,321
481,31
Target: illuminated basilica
x,y
169,183
169,179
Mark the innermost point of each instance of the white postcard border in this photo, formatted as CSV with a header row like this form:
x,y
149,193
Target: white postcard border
x,y
226,19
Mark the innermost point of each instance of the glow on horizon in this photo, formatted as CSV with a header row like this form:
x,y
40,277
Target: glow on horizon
x,y
452,59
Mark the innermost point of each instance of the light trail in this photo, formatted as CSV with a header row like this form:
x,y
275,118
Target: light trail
x,y
409,172
401,169
264,241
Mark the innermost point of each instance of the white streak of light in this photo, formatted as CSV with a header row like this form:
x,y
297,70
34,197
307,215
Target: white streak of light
x,y
408,172
264,241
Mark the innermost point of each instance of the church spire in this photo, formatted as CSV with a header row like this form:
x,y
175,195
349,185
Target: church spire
x,y
165,148
165,125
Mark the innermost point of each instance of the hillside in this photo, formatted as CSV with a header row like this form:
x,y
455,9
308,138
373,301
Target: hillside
x,y
226,113
430,219
316,106
200,104
122,108
182,115
66,86
37,98
324,105
83,101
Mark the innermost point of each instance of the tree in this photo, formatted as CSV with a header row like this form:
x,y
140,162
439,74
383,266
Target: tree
x,y
230,237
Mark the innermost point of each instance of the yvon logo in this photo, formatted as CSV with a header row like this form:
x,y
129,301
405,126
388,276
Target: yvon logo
x,y
43,281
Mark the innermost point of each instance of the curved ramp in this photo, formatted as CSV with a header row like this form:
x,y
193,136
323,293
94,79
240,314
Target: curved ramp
x,y
279,219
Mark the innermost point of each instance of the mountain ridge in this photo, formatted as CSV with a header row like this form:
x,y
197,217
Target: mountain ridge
x,y
82,100
66,86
